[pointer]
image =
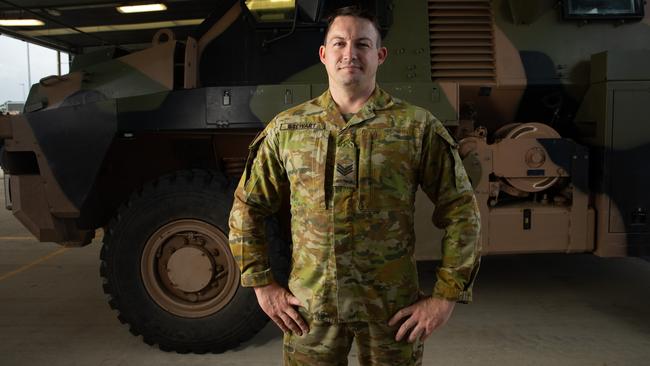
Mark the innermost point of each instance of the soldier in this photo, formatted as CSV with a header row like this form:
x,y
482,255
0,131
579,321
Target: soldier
x,y
352,160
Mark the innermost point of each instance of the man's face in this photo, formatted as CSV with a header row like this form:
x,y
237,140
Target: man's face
x,y
350,53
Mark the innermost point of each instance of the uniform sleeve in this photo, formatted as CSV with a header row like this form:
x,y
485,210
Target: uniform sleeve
x,y
257,196
444,180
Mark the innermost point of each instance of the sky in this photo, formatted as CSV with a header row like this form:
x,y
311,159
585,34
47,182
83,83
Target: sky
x,y
14,83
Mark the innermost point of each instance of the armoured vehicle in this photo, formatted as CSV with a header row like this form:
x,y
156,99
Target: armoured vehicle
x,y
548,101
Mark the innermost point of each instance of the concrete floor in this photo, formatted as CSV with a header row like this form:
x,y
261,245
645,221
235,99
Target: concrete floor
x,y
528,310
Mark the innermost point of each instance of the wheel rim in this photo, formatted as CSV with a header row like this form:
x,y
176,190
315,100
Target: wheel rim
x,y
188,270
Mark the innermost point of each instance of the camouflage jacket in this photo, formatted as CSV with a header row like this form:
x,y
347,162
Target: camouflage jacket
x,y
352,187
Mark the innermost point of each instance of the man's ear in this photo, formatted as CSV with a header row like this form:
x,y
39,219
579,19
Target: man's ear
x,y
321,54
382,53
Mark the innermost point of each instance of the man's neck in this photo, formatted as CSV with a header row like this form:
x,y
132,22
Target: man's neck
x,y
351,99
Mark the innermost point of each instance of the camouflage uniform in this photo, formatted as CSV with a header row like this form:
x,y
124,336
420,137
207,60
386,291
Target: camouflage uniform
x,y
352,190
329,344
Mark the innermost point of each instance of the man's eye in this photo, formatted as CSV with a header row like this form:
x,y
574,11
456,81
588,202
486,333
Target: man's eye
x,y
337,44
363,45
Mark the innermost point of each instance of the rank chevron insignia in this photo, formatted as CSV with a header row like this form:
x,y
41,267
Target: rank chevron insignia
x,y
344,170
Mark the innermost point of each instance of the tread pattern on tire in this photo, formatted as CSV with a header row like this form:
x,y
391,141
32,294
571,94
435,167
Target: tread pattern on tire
x,y
249,320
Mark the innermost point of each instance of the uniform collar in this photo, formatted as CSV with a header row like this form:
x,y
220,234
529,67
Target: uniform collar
x,y
379,100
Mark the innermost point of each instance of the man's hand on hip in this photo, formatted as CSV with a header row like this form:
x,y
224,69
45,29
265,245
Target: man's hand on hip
x,y
278,304
422,318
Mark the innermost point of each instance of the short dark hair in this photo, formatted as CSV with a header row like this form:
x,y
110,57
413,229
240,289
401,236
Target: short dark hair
x,y
353,11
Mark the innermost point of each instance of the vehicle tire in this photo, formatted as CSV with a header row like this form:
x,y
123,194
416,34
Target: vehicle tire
x,y
169,272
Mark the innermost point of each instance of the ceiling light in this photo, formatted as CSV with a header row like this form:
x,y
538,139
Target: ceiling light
x,y
142,8
21,22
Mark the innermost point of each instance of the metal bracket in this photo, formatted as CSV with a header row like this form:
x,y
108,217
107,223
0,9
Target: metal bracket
x,y
8,203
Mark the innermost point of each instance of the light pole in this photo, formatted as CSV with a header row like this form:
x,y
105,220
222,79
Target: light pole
x,y
29,69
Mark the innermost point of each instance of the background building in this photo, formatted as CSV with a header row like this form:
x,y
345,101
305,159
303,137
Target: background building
x,y
11,107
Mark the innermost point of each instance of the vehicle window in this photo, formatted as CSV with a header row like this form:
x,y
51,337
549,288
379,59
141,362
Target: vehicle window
x,y
267,11
603,8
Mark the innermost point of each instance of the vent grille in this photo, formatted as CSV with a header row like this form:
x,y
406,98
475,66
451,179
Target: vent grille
x,y
462,41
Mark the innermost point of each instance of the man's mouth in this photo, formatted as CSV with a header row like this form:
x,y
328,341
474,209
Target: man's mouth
x,y
356,67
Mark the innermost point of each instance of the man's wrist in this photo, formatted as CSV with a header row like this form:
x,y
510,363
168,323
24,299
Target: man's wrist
x,y
262,288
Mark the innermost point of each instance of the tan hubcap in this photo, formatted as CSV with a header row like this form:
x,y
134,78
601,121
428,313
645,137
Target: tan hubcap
x,y
188,270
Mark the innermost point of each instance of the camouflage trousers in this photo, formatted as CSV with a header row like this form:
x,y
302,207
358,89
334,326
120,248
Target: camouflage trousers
x,y
329,344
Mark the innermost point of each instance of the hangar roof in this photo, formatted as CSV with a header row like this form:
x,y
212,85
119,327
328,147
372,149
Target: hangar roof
x,y
76,26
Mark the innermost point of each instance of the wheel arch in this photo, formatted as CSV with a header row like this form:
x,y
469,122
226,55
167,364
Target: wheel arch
x,y
134,160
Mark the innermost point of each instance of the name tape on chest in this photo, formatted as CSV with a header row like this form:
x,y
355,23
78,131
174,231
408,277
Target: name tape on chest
x,y
302,126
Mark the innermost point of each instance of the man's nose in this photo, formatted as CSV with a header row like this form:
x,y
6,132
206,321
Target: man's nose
x,y
349,52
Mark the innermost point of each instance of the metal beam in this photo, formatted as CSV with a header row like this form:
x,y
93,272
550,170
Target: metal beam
x,y
78,5
49,18
41,42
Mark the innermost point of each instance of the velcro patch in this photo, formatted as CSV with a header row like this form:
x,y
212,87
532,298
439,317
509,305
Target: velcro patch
x,y
345,166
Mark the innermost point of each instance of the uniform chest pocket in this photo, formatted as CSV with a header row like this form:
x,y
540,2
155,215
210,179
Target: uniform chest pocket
x,y
387,173
305,164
